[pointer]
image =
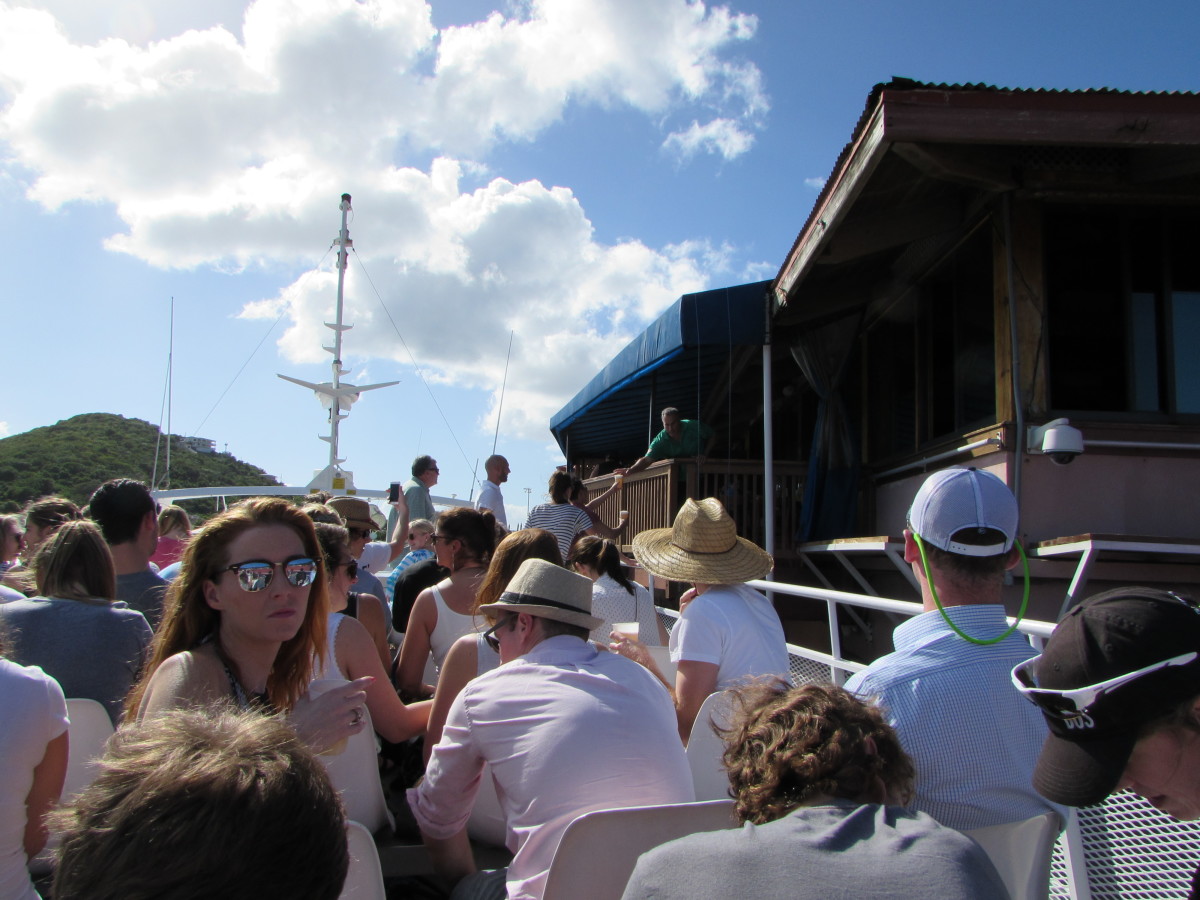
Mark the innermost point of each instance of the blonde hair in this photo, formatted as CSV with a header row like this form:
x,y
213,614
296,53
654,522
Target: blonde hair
x,y
174,519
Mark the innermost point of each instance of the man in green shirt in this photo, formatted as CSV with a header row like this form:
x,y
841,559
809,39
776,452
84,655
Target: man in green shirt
x,y
678,438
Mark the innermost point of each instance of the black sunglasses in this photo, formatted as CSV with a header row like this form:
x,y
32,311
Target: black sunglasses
x,y
257,574
356,533
489,636
351,568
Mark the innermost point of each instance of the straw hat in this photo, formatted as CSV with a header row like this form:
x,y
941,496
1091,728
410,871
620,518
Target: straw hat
x,y
702,546
543,589
357,512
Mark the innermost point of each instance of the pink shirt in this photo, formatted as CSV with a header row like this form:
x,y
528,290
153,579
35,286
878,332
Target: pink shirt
x,y
567,729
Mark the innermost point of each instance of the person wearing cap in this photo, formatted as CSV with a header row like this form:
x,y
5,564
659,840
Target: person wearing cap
x,y
728,632
566,728
1118,683
946,687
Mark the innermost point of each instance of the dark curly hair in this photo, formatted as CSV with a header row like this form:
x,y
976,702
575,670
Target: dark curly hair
x,y
788,747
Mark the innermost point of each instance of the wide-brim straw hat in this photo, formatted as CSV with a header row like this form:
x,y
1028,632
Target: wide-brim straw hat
x,y
701,547
543,589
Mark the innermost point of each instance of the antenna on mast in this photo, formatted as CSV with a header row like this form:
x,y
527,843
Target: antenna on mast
x,y
337,397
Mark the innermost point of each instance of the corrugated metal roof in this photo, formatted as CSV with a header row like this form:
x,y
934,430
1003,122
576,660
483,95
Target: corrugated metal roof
x,y
899,83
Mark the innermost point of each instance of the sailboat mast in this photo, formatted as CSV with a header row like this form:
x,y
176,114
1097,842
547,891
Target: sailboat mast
x,y
335,412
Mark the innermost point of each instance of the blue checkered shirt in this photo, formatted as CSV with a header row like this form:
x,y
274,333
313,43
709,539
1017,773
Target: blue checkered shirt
x,y
973,738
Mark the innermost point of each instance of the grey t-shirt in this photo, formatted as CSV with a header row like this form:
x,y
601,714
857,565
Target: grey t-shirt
x,y
93,649
144,592
840,850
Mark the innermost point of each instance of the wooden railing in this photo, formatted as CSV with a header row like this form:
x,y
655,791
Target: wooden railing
x,y
654,495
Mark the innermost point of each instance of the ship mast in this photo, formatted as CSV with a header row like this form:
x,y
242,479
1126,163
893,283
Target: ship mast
x,y
337,396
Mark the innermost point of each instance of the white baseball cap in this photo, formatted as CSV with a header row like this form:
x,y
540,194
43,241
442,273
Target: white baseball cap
x,y
953,500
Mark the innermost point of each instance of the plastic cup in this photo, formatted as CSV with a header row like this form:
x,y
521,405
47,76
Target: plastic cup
x,y
316,688
618,479
624,514
629,630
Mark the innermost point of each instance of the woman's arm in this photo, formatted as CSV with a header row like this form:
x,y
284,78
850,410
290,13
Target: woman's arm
x,y
357,657
415,650
462,662
48,778
372,615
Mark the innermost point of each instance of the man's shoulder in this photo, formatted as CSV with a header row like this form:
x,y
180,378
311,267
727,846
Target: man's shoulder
x,y
143,580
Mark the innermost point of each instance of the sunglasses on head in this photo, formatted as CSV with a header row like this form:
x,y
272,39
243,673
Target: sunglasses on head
x,y
257,574
489,636
1069,703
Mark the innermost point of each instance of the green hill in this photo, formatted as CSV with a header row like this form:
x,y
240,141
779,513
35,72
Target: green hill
x,y
75,456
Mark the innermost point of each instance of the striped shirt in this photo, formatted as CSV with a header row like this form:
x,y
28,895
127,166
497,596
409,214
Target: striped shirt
x,y
562,520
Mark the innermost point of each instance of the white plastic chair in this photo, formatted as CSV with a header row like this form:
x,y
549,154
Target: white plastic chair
x,y
1021,853
87,735
705,749
355,774
598,850
662,659
364,880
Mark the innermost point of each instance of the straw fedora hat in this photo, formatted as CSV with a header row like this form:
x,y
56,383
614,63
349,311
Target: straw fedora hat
x,y
701,547
357,512
543,589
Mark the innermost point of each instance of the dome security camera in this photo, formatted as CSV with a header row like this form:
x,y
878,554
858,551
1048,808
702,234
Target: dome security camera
x,y
1058,439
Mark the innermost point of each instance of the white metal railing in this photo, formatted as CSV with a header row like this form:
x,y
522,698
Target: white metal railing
x,y
1122,848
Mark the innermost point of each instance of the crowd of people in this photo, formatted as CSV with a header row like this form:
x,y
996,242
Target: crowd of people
x,y
231,656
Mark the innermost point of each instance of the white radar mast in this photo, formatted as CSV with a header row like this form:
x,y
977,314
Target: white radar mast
x,y
337,396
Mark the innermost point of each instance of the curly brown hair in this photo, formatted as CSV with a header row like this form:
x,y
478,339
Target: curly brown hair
x,y
788,747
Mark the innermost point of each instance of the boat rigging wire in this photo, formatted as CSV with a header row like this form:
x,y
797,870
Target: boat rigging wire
x,y
257,346
416,365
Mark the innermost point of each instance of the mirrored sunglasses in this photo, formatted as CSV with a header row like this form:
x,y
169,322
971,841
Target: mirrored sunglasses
x,y
256,574
1069,703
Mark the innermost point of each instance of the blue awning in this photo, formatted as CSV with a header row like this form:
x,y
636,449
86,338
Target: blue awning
x,y
674,362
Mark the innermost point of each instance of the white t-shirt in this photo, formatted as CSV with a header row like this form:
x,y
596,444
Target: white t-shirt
x,y
736,628
34,713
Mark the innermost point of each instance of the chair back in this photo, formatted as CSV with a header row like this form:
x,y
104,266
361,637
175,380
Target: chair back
x,y
705,749
89,732
87,735
355,774
598,850
662,659
364,880
1021,853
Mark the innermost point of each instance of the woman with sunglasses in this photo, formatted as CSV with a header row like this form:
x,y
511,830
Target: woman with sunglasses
x,y
442,614
245,622
12,539
351,651
420,548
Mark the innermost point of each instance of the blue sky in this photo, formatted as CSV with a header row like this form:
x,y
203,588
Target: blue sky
x,y
560,169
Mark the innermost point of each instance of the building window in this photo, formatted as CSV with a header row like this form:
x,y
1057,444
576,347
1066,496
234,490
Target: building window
x,y
1123,311
930,358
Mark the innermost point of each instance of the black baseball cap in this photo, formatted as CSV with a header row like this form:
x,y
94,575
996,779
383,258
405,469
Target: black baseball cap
x,y
1116,662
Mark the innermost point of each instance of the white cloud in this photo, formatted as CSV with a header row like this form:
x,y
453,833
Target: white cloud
x,y
3,429
815,183
219,148
721,137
